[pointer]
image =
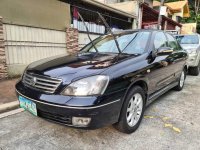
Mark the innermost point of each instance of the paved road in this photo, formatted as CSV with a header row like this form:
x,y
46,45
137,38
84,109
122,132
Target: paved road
x,y
180,110
7,91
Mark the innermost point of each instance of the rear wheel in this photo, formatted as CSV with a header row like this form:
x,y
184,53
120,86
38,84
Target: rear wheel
x,y
132,111
181,83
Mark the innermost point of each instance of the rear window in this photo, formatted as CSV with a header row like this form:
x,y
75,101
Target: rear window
x,y
188,39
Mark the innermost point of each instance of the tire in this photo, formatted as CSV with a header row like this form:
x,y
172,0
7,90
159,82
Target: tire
x,y
181,82
136,94
194,70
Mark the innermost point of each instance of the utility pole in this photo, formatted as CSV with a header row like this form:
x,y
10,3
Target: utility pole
x,y
160,16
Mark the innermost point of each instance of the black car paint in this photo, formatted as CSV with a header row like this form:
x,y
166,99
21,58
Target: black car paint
x,y
124,71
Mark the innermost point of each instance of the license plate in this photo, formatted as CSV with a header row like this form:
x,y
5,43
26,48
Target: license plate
x,y
28,105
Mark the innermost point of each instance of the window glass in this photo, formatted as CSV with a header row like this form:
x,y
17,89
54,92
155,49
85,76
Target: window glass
x,y
130,43
138,45
188,39
172,42
160,40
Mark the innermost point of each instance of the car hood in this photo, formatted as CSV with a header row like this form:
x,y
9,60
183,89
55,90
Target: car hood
x,y
77,66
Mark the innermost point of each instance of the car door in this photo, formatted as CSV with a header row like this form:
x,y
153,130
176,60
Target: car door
x,y
177,58
160,75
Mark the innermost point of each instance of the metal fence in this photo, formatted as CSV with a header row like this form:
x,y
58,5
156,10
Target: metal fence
x,y
24,45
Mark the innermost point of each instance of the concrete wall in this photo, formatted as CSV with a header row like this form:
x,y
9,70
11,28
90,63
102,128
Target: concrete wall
x,y
150,2
29,31
51,14
112,1
3,67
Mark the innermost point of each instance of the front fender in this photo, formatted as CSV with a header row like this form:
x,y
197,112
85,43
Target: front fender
x,y
142,81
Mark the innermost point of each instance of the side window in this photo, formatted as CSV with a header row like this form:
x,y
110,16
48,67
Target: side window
x,y
160,40
172,42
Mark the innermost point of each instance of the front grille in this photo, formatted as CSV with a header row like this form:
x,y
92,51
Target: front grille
x,y
41,83
55,117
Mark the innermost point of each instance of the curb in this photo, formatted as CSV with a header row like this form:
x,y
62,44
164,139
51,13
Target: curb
x,y
9,106
10,113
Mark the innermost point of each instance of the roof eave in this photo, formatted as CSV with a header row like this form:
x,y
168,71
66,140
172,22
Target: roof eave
x,y
104,6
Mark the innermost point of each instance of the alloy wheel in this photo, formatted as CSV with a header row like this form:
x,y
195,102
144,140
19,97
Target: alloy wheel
x,y
182,79
134,109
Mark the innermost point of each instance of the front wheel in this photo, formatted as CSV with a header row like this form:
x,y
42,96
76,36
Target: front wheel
x,y
181,83
132,111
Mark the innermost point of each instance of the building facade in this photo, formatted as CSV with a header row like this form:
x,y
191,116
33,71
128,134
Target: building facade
x,y
175,10
33,29
149,2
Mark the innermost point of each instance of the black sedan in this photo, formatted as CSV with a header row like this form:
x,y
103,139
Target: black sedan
x,y
110,81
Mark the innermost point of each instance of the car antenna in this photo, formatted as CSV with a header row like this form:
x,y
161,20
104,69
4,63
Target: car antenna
x,y
108,27
87,32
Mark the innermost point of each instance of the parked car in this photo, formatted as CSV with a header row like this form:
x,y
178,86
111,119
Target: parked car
x,y
105,83
191,43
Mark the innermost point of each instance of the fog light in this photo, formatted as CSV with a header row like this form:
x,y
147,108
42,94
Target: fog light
x,y
80,121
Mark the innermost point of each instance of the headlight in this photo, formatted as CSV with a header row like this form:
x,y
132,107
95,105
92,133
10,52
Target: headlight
x,y
192,51
94,85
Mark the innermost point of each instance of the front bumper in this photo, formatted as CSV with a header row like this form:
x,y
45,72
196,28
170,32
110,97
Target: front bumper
x,y
101,114
193,60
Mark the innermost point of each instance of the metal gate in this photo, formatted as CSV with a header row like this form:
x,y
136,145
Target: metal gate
x,y
24,45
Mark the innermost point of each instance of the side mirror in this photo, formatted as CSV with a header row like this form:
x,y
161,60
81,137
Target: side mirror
x,y
164,51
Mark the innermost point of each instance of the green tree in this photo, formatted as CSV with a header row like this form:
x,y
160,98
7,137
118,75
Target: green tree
x,y
194,14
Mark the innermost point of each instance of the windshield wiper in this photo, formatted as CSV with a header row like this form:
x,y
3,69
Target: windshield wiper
x,y
129,43
108,27
88,32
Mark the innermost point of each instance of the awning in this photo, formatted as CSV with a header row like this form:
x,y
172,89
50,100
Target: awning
x,y
109,7
130,6
102,6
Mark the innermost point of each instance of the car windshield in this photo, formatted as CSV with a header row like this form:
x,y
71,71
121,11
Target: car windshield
x,y
188,39
130,43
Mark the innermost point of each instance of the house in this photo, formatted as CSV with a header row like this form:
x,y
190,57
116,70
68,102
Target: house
x,y
149,2
147,17
131,7
117,19
175,10
35,29
150,20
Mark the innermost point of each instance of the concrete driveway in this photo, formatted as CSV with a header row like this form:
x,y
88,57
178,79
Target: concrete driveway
x,y
171,122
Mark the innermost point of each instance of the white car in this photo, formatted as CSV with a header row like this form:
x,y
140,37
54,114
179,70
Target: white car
x,y
191,43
